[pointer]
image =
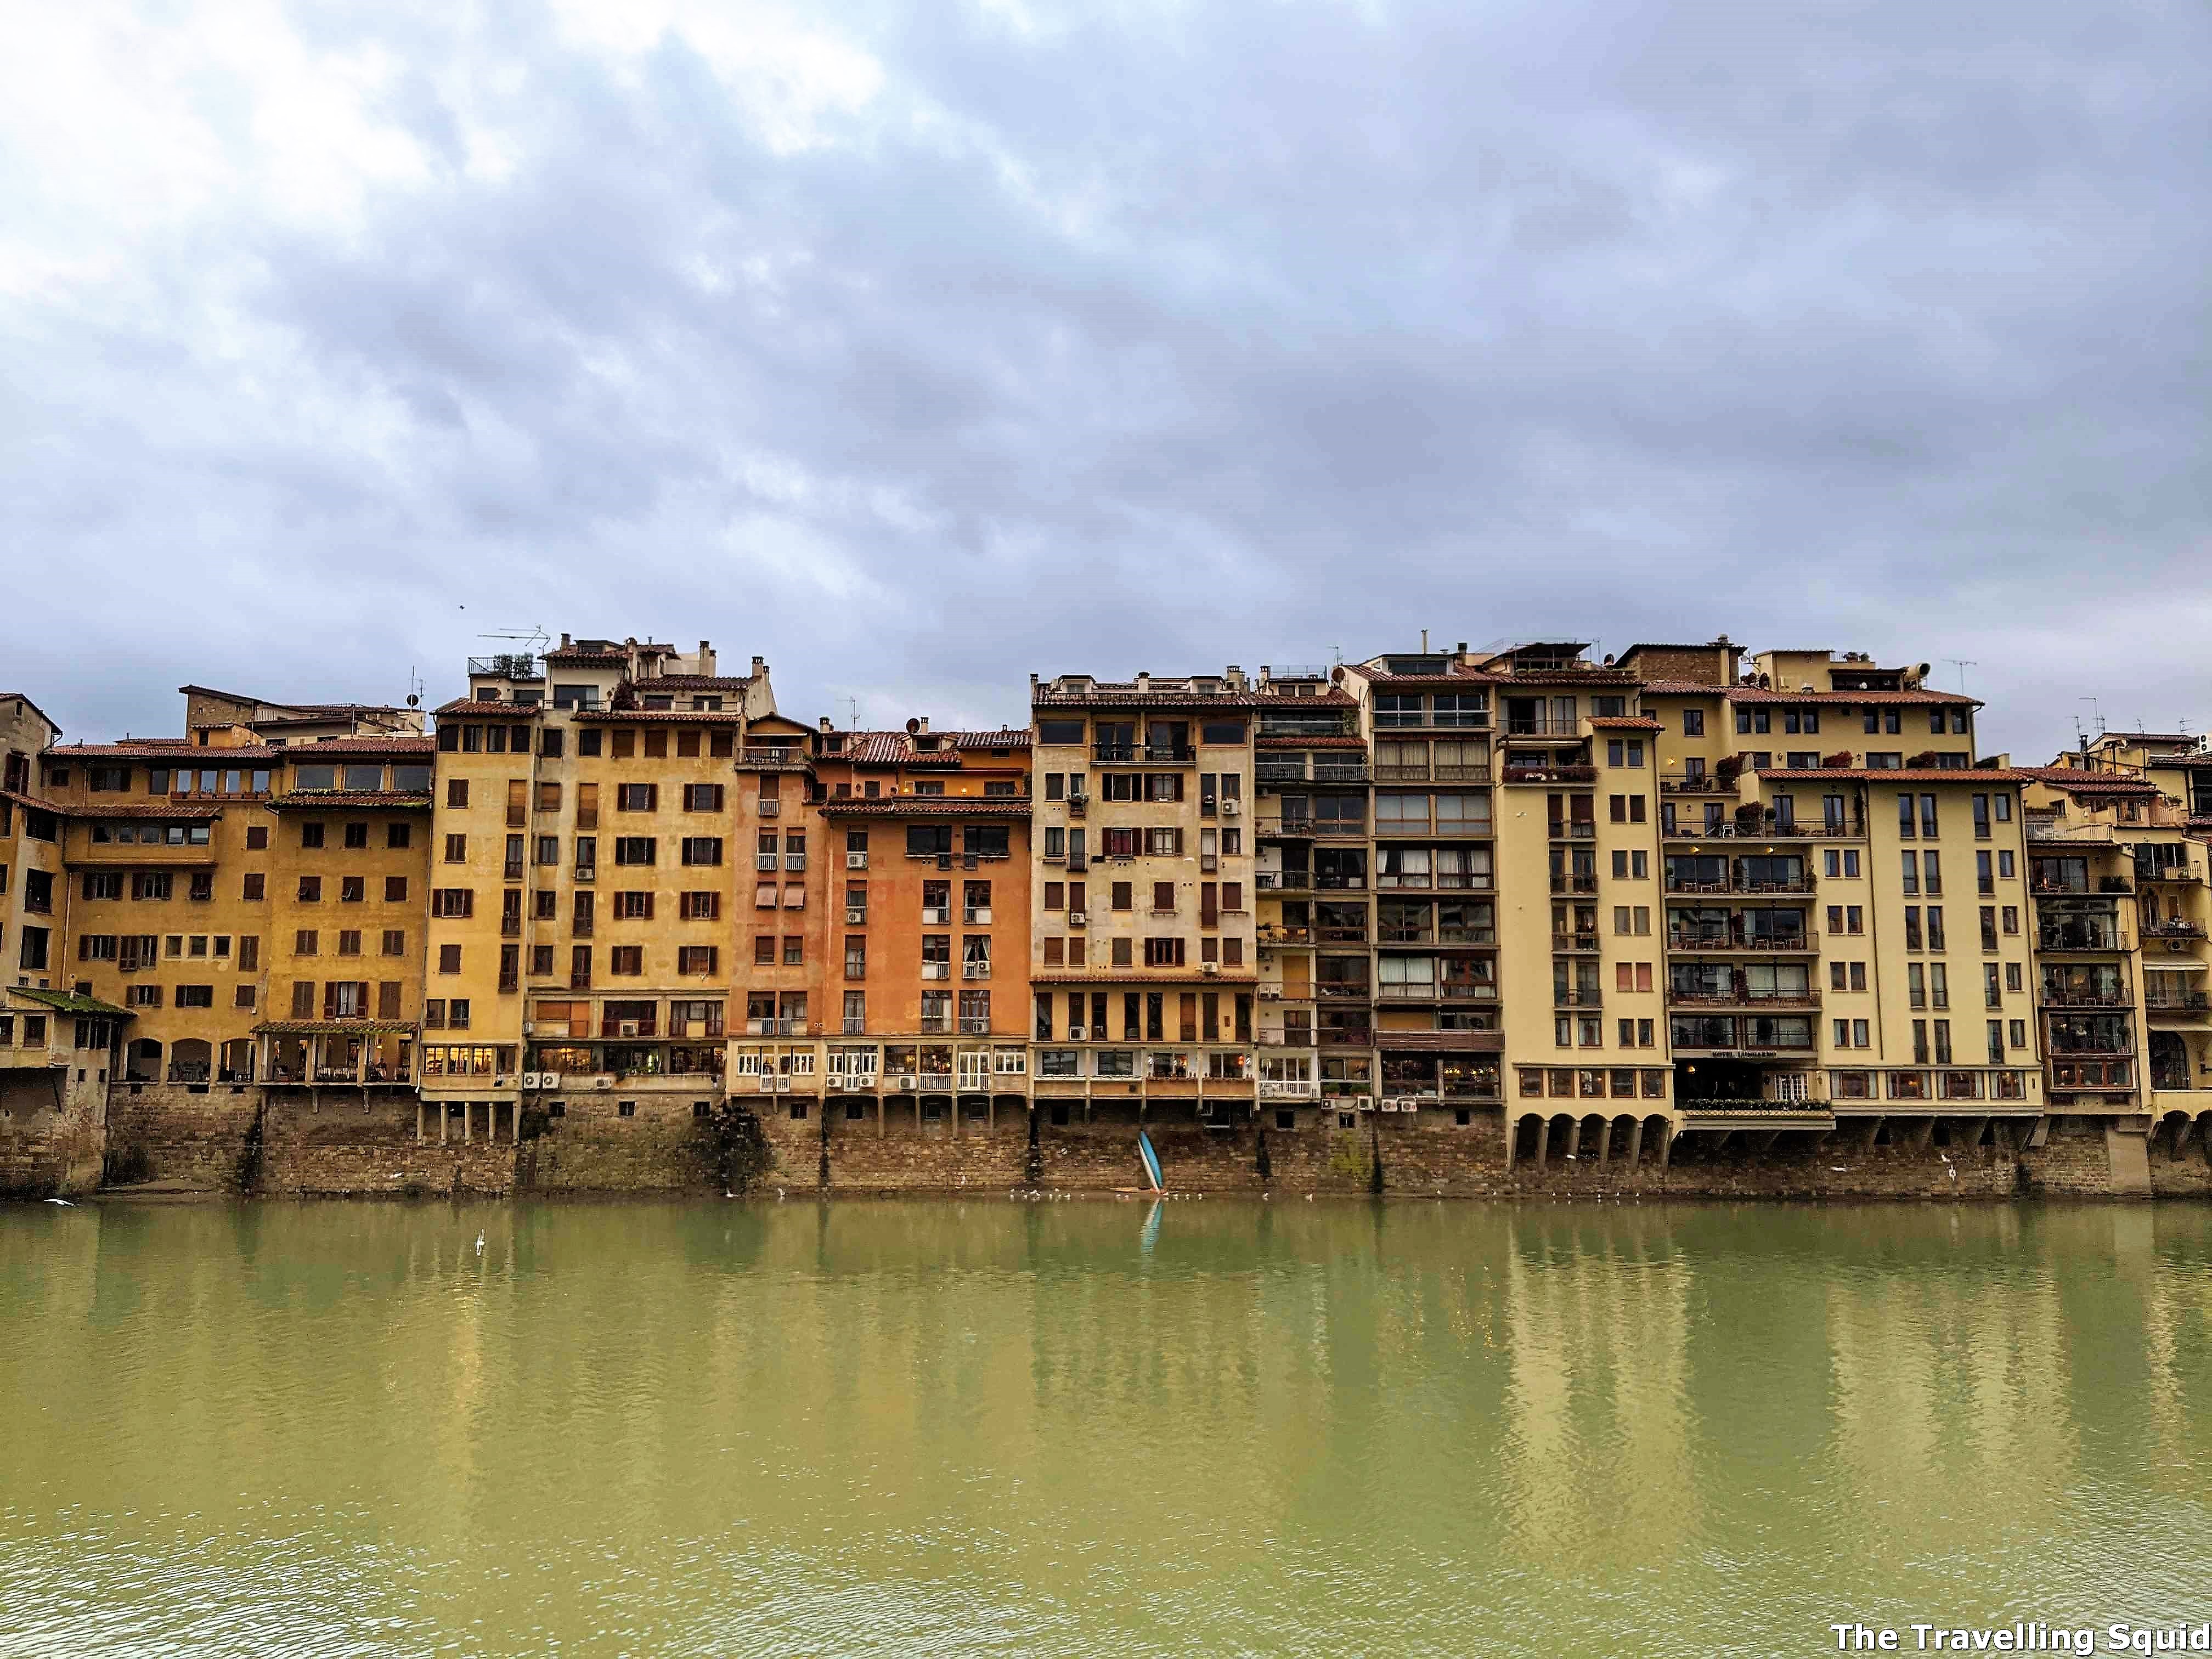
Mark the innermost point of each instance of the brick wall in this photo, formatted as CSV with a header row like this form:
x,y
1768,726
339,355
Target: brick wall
x,y
173,1134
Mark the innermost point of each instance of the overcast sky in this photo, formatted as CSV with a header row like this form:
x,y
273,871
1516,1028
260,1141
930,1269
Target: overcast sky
x,y
918,347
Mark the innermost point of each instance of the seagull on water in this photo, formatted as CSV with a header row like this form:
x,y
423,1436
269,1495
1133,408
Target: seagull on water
x,y
479,1243
63,1202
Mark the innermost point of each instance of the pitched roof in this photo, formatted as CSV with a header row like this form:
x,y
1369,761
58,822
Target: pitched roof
x,y
1684,689
296,708
390,742
890,749
2083,781
319,800
17,696
179,810
577,657
68,1002
1902,773
693,683
663,716
167,751
489,710
1761,694
1625,723
925,806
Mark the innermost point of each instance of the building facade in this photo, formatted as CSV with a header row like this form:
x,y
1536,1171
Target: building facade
x,y
1520,908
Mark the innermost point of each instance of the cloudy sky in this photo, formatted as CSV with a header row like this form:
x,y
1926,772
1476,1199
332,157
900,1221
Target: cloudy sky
x,y
918,347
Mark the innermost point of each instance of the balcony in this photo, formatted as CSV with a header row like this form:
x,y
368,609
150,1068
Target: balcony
x,y
1573,829
1704,784
2188,1002
1279,771
2074,940
510,926
1347,1037
1574,942
1577,996
1575,883
2068,997
2172,929
1574,774
1275,932
1342,991
1399,773
1802,944
1749,1001
775,1028
1543,725
517,666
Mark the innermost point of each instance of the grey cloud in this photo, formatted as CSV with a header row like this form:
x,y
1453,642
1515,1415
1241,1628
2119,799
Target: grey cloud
x,y
1166,338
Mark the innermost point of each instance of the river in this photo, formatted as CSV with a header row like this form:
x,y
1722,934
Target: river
x,y
1085,1427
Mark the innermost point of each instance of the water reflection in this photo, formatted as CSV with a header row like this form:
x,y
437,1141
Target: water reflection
x,y
1294,1427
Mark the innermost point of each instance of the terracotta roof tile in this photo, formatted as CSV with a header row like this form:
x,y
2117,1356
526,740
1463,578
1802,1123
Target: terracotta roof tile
x,y
2079,780
167,751
490,710
927,806
693,683
336,1027
390,742
1683,689
1902,775
662,716
318,800
177,809
1752,694
1625,723
1339,740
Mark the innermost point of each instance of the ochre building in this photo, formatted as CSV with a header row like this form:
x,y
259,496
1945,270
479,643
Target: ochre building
x,y
1493,917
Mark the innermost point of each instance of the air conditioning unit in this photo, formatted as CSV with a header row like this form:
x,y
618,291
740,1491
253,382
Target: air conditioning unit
x,y
1268,995
603,1083
1209,967
856,918
783,1085
2177,944
1078,1033
532,1081
908,1082
1076,919
627,1028
936,970
529,1028
549,1079
1231,809
856,860
767,1083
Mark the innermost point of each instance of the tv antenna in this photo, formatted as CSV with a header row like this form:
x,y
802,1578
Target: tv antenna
x,y
1962,664
536,639
854,704
414,688
2096,713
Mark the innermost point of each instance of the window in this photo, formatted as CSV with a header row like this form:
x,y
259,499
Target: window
x,y
698,959
700,850
454,902
627,960
703,797
635,849
636,796
449,958
311,889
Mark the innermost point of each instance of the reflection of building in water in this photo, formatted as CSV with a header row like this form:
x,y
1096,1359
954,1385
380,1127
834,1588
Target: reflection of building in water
x,y
1943,1376
1598,1441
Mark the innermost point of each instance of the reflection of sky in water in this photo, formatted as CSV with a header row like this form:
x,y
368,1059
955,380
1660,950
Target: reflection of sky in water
x,y
1066,1428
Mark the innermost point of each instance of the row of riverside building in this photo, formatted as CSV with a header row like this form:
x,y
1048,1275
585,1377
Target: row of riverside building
x,y
1681,898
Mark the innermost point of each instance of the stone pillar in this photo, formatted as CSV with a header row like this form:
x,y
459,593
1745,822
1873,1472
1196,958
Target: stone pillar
x,y
418,1120
1635,1142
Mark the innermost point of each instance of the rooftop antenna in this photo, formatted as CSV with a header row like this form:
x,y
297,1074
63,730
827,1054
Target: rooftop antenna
x,y
1962,664
414,688
533,636
853,703
2096,712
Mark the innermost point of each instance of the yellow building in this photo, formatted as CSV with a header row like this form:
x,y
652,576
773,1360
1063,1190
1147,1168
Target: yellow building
x,y
582,886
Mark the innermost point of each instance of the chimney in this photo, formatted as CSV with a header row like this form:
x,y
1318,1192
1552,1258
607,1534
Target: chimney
x,y
1144,680
564,641
760,667
825,723
921,724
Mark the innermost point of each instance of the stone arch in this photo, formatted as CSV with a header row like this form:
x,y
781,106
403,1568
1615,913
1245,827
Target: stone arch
x,y
191,1059
142,1060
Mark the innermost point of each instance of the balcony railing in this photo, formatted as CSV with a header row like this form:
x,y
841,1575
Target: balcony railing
x,y
2066,996
1574,941
1574,884
514,665
2172,929
1577,996
1283,881
1808,998
2189,1002
1704,784
1570,773
1702,939
1542,725
1573,829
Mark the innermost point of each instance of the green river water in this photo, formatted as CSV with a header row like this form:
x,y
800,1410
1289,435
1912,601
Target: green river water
x,y
1089,1427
